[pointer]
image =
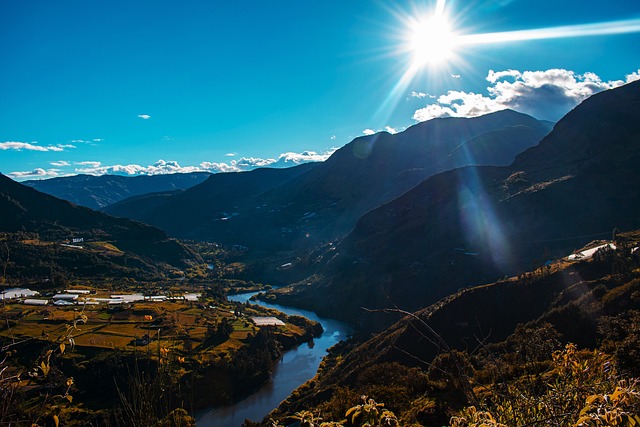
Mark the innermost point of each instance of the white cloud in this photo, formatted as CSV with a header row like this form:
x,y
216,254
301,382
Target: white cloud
x,y
91,164
231,154
432,111
633,76
290,158
421,95
391,130
31,146
246,163
387,128
86,141
469,104
36,173
494,76
60,163
171,166
144,116
219,167
332,137
158,168
547,95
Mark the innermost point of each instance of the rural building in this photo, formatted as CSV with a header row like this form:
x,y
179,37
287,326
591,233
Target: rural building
x,y
33,301
129,297
267,321
17,293
66,297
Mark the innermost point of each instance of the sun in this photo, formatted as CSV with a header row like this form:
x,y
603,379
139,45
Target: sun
x,y
431,40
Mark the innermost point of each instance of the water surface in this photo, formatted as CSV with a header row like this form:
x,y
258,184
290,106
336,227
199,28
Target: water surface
x,y
296,367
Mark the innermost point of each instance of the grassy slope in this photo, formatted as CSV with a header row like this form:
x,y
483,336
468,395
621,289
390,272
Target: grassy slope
x,y
577,298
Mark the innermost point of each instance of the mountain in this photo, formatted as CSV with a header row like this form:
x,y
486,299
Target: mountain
x,y
98,191
302,209
26,210
201,210
475,224
585,302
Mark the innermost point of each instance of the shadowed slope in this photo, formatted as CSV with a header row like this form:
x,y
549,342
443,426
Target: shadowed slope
x,y
476,224
299,210
25,209
96,192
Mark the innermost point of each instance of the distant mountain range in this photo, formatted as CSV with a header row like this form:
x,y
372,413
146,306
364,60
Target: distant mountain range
x,y
96,192
27,210
476,224
300,207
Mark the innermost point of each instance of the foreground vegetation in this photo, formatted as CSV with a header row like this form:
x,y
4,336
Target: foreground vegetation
x,y
575,389
550,347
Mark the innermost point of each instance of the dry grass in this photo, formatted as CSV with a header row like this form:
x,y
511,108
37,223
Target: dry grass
x,y
34,242
229,346
105,246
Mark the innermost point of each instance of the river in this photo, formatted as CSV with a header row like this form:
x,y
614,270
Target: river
x,y
296,367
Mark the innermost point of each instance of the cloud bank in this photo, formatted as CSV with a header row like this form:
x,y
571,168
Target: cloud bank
x,y
60,163
171,166
285,160
546,95
31,146
38,173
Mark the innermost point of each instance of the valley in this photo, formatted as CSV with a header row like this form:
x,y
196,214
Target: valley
x,y
435,270
196,341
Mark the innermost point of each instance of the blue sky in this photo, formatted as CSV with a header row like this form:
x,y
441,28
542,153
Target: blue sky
x,y
143,87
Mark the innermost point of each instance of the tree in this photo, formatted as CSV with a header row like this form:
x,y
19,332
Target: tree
x,y
224,329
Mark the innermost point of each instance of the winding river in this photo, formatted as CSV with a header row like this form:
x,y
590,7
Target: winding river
x,y
296,367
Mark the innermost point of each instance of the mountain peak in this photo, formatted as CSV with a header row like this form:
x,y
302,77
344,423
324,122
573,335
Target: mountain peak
x,y
597,127
474,224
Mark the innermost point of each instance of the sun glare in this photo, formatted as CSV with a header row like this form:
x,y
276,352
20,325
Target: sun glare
x,y
432,40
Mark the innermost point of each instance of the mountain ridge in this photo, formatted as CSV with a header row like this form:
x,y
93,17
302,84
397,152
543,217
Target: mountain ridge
x,y
475,224
96,192
324,202
28,210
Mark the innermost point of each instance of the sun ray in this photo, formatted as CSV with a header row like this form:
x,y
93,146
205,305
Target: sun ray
x,y
440,8
581,30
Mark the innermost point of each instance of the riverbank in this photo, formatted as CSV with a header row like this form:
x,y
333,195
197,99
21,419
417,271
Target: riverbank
x,y
209,350
297,366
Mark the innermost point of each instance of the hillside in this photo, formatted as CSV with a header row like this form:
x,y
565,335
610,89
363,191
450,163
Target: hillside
x,y
207,207
301,210
513,324
96,192
476,224
25,210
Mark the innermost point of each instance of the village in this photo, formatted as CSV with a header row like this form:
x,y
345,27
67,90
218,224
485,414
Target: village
x,y
188,323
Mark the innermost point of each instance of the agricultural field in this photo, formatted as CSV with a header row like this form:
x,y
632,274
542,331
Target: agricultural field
x,y
186,327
